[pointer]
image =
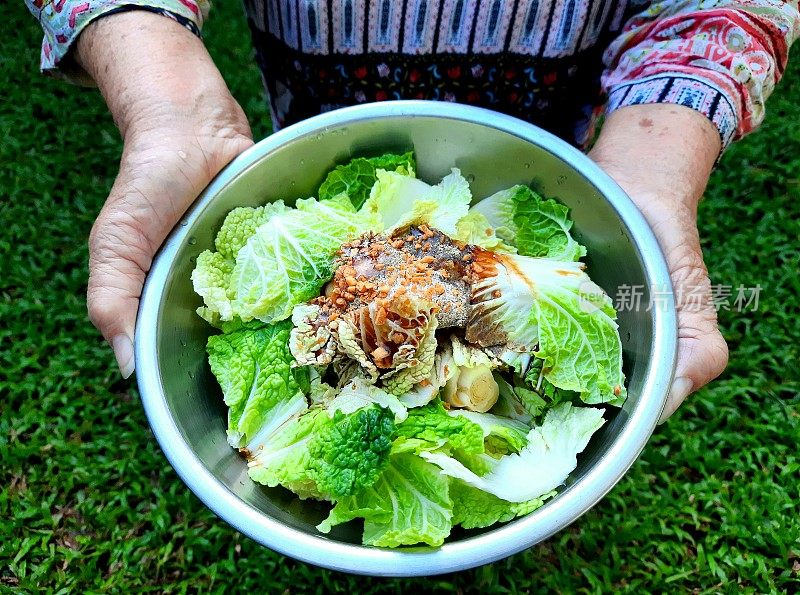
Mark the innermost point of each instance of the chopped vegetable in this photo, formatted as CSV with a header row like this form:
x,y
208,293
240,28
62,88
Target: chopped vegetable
x,y
522,302
260,388
472,388
474,228
285,261
537,227
510,433
432,425
356,178
438,358
471,385
358,393
410,503
544,463
401,201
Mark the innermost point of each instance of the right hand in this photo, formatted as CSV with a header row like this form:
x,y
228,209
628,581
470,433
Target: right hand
x,y
180,127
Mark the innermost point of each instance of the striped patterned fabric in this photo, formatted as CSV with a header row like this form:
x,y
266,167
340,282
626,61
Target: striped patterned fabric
x,y
557,63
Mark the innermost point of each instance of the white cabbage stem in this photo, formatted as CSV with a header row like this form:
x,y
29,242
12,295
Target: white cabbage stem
x,y
472,388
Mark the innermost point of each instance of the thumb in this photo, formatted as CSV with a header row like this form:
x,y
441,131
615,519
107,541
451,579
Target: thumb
x,y
120,255
702,351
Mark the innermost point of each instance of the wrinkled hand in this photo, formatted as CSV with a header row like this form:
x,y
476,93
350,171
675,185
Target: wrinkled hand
x,y
165,165
667,188
702,352
180,127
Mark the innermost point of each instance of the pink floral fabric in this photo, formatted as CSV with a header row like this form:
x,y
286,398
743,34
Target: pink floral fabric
x,y
719,57
63,20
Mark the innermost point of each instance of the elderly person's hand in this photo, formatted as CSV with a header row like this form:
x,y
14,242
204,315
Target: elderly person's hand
x,y
180,127
662,156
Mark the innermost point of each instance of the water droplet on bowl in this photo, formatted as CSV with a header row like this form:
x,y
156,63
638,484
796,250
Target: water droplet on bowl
x,y
302,162
527,166
191,374
192,241
183,342
470,178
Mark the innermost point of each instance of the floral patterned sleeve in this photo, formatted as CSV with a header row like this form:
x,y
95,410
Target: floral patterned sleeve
x,y
719,57
63,20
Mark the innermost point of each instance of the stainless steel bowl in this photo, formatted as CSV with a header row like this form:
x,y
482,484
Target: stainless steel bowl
x,y
184,404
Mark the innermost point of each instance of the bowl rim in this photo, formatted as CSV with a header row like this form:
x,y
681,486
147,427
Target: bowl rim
x,y
470,552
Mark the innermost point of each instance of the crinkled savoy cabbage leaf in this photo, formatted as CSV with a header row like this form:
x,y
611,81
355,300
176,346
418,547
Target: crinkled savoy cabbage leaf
x,y
290,257
350,452
316,455
553,304
401,201
355,179
253,367
409,504
543,465
536,226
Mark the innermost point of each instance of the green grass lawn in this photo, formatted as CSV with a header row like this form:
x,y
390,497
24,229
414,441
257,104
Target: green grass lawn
x,y
89,503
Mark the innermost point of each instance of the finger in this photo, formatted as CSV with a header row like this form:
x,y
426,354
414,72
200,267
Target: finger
x,y
702,356
120,254
702,351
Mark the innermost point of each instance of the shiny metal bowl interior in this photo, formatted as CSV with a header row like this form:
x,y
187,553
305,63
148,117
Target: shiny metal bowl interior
x,y
183,401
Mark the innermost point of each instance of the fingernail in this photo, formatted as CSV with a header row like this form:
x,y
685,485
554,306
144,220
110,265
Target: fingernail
x,y
123,351
681,387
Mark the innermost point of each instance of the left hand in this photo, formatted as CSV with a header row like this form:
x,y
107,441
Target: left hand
x,y
662,156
